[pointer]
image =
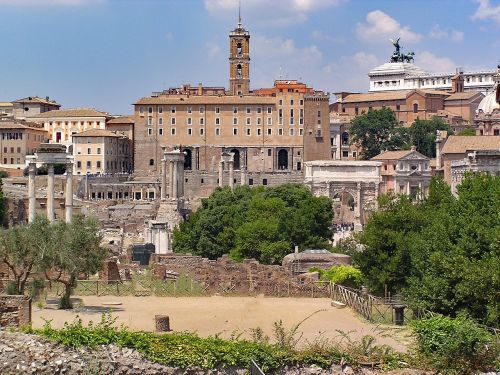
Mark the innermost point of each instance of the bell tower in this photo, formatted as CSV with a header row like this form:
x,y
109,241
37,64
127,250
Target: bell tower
x,y
239,60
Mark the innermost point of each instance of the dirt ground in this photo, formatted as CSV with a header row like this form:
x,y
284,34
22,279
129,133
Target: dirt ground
x,y
227,315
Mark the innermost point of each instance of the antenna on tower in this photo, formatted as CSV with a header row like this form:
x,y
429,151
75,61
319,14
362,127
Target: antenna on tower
x,y
239,13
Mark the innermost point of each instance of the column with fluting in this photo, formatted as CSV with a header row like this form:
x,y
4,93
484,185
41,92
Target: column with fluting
x,y
31,192
50,192
163,179
174,180
221,173
68,202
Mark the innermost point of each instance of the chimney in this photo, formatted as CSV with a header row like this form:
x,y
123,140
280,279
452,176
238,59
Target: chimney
x,y
200,89
296,249
414,148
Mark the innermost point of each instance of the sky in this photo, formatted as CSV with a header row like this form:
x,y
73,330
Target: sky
x,y
106,54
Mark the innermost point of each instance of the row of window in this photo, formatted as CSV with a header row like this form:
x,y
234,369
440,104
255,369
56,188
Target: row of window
x,y
18,161
5,150
109,164
201,109
122,150
248,121
77,123
248,131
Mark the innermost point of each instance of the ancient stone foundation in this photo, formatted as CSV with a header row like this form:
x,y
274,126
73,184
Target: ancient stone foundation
x,y
226,276
15,311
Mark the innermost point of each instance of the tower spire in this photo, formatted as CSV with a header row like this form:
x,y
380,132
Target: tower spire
x,y
239,14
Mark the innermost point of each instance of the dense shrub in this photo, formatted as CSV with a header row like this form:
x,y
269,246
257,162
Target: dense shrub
x,y
456,345
184,350
344,275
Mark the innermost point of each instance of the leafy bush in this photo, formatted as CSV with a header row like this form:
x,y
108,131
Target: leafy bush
x,y
344,275
185,350
456,346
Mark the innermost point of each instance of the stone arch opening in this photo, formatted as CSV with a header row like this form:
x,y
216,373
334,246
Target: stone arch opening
x,y
188,159
236,158
345,138
151,162
282,159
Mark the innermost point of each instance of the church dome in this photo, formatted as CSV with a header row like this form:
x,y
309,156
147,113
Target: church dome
x,y
488,104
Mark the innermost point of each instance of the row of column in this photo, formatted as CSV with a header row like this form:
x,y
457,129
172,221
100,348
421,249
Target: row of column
x,y
173,161
68,203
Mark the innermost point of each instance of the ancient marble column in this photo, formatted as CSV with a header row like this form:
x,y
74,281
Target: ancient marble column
x,y
31,192
50,192
69,193
231,174
358,200
243,175
170,178
174,181
221,173
163,179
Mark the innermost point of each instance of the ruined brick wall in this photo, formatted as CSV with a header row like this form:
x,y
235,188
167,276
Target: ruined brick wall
x,y
110,272
15,311
246,278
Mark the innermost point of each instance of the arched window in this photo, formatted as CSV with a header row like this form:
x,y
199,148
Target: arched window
x,y
188,159
238,71
239,49
415,107
236,158
345,138
151,161
282,159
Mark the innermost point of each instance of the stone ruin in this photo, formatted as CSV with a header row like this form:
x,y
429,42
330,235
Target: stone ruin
x,y
230,277
15,311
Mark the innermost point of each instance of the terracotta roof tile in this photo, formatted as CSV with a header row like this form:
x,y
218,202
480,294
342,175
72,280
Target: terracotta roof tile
x,y
76,112
456,144
21,125
121,120
97,133
375,96
391,155
464,95
36,99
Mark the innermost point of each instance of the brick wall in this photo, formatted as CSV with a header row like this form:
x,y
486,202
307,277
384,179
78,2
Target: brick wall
x,y
15,311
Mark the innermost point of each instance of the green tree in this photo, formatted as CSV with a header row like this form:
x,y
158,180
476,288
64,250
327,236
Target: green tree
x,y
76,251
376,131
442,253
261,223
3,203
344,275
21,249
423,134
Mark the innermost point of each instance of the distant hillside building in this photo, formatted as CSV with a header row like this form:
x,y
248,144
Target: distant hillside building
x,y
99,151
271,132
62,124
19,138
32,106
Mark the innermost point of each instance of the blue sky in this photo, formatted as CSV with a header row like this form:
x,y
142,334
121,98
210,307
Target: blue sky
x,y
108,53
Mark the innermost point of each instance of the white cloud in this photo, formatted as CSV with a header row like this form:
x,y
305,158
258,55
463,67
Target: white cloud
x,y
213,49
350,73
379,27
276,57
49,2
169,36
487,11
323,37
434,64
275,13
439,33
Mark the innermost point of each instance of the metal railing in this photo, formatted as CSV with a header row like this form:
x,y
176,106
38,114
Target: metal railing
x,y
255,369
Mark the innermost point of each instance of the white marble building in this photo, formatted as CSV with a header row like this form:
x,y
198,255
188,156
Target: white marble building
x,y
408,76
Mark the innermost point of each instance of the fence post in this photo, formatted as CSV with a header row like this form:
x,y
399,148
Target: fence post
x,y
175,288
97,287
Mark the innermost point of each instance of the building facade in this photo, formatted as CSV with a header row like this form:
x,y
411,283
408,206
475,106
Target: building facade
x,y
61,125
18,139
270,130
99,151
404,172
33,106
394,76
